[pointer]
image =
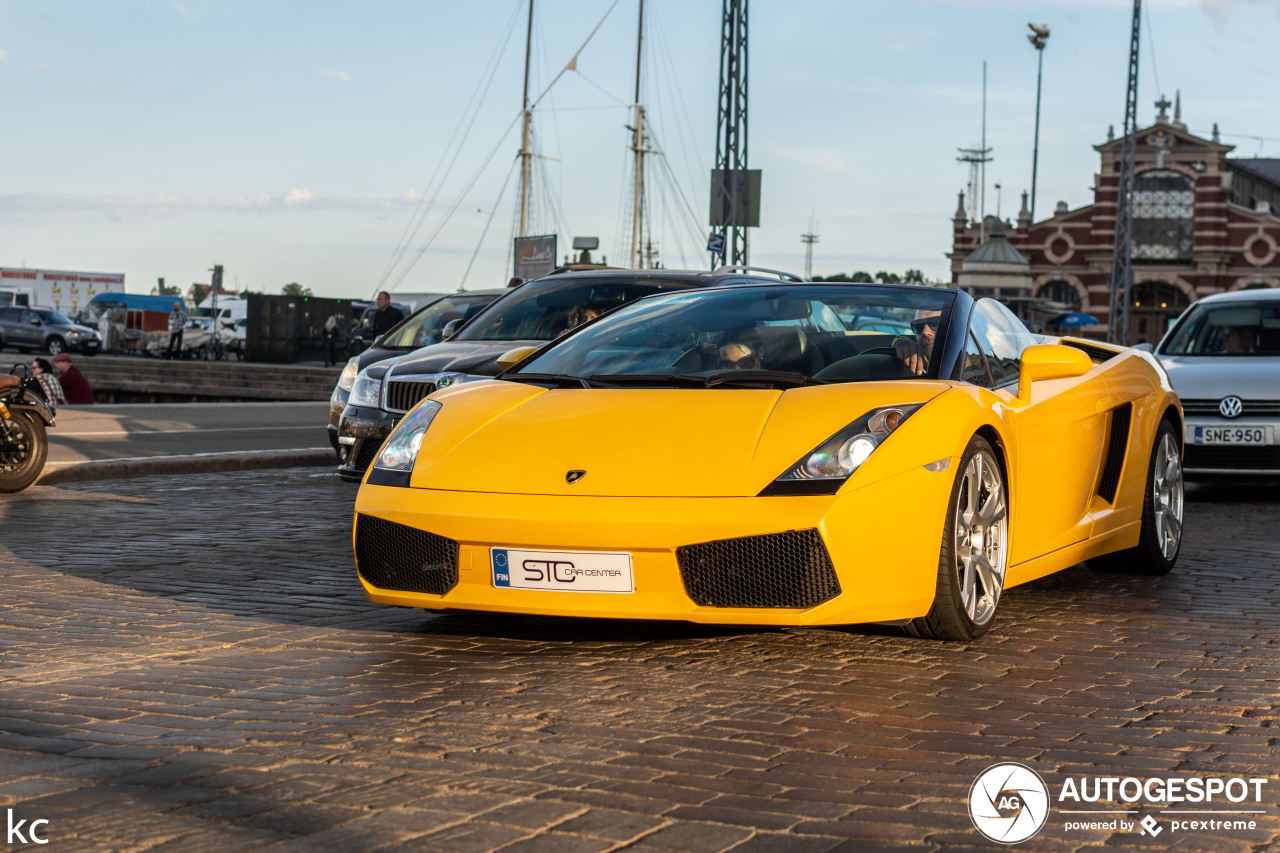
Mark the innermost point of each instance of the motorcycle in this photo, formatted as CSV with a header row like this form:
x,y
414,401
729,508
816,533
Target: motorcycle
x,y
25,414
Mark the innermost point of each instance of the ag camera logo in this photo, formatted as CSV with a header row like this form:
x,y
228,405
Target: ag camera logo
x,y
1008,803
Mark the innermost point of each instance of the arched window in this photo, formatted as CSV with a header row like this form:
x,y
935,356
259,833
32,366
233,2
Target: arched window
x,y
1164,205
1060,292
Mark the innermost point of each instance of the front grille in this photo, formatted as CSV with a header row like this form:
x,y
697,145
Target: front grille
x,y
394,556
1255,408
789,569
403,396
1116,445
364,457
1265,458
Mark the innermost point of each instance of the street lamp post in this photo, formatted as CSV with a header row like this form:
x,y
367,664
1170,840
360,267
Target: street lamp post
x,y
1038,38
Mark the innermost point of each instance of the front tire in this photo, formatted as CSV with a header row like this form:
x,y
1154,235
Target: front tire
x,y
55,345
1161,535
974,552
23,461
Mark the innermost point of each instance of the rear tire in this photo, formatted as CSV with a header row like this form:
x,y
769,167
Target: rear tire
x,y
21,466
1161,535
974,552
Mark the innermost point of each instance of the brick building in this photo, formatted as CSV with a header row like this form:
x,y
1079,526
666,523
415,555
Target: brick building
x,y
1203,223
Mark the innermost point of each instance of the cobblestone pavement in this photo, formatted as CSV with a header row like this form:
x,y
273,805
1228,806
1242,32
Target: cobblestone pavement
x,y
188,663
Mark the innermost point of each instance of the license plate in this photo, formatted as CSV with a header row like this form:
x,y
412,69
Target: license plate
x,y
563,571
1231,435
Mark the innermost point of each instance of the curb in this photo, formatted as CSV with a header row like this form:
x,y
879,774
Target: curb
x,y
197,463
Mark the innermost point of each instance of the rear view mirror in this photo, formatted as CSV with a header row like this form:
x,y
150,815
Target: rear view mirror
x,y
450,327
1050,361
511,358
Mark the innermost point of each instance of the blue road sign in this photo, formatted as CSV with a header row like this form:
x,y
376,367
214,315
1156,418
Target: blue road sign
x,y
715,243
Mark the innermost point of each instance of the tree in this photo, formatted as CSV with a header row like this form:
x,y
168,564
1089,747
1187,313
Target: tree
x,y
295,289
888,277
913,277
168,290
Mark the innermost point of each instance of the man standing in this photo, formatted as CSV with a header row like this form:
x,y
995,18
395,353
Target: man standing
x,y
177,322
76,388
386,316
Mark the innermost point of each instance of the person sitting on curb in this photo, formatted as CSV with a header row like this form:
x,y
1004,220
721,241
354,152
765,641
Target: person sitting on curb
x,y
76,388
48,379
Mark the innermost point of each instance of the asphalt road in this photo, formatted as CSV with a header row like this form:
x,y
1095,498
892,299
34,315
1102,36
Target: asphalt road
x,y
93,433
195,667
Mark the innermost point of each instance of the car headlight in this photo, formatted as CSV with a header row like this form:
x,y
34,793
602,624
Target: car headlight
x,y
366,391
401,448
349,374
823,470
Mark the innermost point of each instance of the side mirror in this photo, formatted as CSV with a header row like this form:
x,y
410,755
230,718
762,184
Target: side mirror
x,y
511,358
1050,361
449,328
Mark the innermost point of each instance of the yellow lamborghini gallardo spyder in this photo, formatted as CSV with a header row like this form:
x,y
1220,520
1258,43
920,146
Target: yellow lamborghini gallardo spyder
x,y
780,454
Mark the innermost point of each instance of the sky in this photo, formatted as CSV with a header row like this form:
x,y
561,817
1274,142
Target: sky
x,y
351,147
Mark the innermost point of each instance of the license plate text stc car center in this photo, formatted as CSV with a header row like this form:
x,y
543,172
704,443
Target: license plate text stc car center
x,y
565,571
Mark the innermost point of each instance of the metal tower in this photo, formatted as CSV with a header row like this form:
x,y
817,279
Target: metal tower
x,y
731,133
809,239
1121,283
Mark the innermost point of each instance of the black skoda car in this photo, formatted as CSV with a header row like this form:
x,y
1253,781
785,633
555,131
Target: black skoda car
x,y
528,316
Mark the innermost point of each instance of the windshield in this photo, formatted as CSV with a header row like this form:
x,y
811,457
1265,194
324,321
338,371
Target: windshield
x,y
426,326
545,309
789,334
1228,328
51,317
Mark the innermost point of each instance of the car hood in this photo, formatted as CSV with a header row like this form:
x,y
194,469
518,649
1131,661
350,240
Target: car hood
x,y
73,327
475,357
514,438
1215,377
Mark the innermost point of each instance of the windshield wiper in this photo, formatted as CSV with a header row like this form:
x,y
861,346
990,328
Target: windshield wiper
x,y
562,380
721,379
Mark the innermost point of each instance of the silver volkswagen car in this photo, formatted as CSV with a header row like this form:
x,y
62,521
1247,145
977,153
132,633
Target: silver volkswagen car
x,y
1223,358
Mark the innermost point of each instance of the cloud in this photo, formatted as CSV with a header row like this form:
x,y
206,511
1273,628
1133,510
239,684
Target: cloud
x,y
1220,11
26,203
336,75
826,159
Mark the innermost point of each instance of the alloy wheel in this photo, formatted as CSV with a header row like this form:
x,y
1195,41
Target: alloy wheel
x,y
981,537
1166,496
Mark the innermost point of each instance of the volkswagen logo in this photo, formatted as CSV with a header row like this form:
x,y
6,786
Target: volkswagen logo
x,y
1230,407
1008,803
574,476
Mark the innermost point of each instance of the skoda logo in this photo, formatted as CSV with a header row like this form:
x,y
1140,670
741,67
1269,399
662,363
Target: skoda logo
x,y
574,476
1008,803
1230,407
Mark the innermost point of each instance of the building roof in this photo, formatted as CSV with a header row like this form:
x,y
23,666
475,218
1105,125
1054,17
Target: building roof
x,y
1266,168
996,250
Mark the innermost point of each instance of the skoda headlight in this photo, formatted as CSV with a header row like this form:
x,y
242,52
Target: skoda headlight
x,y
401,448
826,467
349,373
366,391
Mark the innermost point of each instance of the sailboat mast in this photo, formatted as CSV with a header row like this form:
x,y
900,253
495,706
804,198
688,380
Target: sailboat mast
x,y
637,145
525,154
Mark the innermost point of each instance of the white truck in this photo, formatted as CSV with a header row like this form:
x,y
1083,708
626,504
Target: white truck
x,y
62,290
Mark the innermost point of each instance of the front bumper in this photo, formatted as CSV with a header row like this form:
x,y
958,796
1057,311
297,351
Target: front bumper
x,y
882,541
360,433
